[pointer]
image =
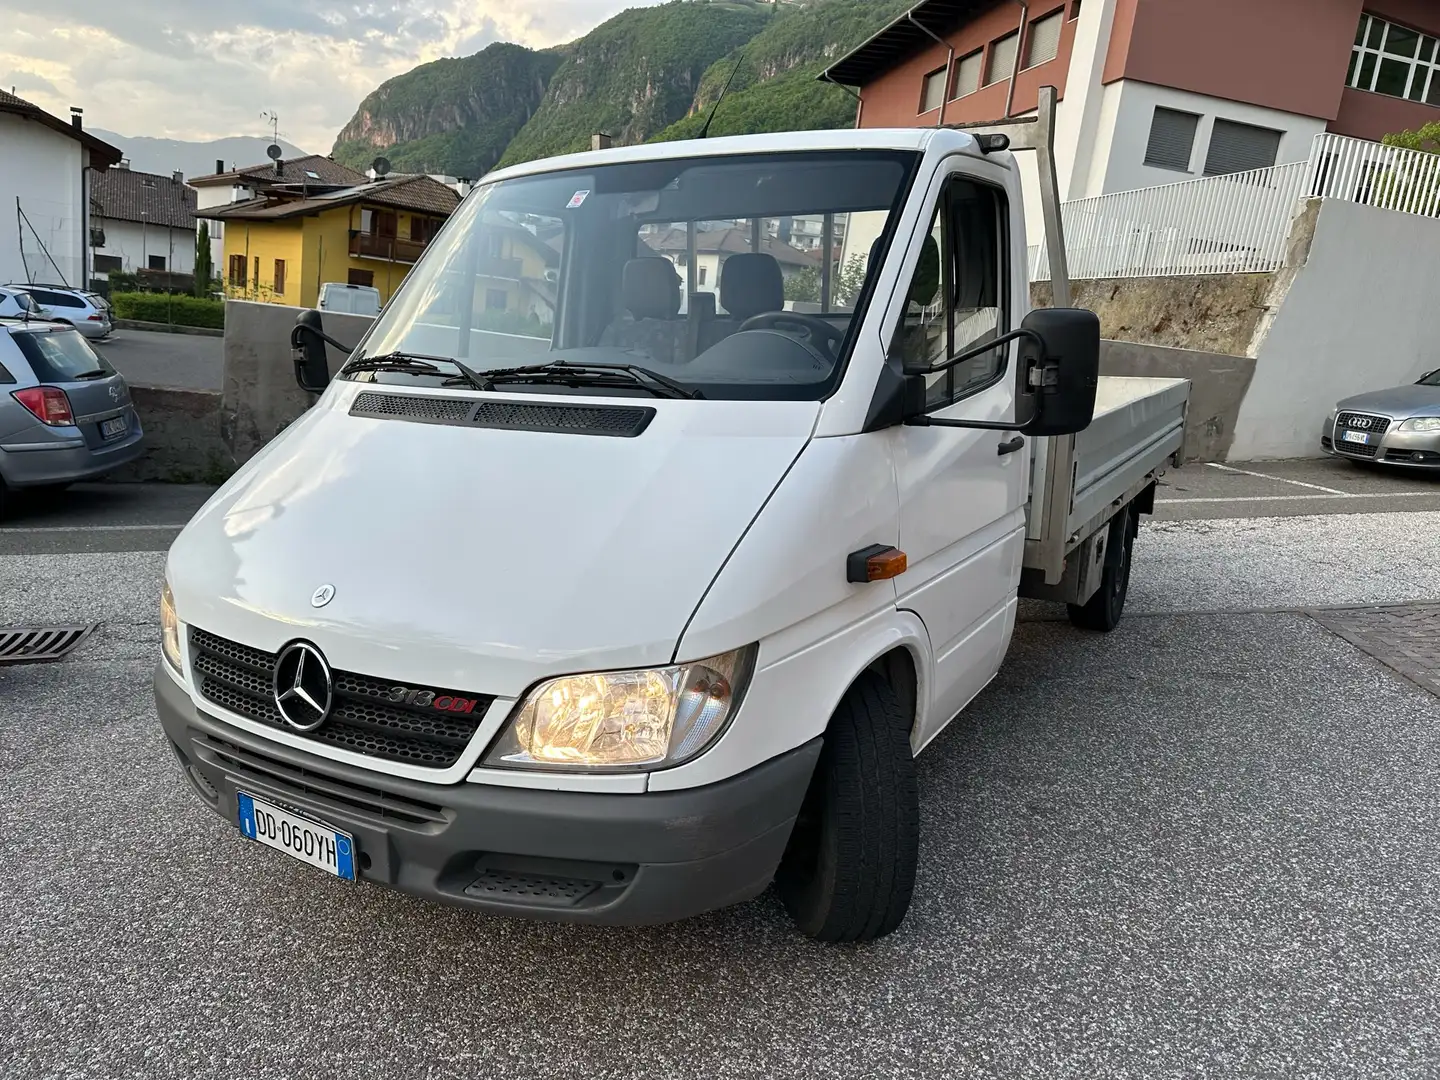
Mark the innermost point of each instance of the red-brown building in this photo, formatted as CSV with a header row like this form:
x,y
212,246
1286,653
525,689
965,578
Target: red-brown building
x,y
1154,91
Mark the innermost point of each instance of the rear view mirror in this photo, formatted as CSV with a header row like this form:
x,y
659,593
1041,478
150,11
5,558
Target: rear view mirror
x,y
307,342
1060,369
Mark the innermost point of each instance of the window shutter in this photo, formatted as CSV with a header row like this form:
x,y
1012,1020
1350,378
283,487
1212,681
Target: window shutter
x,y
1043,39
1240,148
1002,58
1172,138
934,95
967,74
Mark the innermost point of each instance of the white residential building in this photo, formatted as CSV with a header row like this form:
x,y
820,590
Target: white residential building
x,y
143,221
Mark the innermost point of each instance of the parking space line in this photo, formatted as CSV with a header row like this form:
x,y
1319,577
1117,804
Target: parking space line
x,y
1281,479
7,530
1298,498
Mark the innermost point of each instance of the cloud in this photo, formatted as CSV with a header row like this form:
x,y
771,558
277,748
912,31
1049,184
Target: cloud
x,y
181,70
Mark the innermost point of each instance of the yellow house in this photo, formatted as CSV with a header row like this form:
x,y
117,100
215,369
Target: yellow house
x,y
281,247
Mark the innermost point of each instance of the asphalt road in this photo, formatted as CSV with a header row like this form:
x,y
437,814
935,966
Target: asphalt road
x,y
182,361
1204,845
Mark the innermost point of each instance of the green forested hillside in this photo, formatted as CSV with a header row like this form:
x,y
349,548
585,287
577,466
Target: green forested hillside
x,y
648,73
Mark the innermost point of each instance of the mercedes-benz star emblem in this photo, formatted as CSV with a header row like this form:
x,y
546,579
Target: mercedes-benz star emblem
x,y
322,596
303,691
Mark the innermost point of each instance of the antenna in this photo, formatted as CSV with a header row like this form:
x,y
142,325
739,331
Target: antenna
x,y
733,72
273,151
273,119
381,166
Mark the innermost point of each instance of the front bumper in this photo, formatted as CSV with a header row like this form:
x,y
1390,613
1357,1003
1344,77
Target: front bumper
x,y
1412,449
557,855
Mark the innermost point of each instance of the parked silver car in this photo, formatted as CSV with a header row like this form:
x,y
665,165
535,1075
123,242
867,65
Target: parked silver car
x,y
86,311
1398,426
20,304
65,413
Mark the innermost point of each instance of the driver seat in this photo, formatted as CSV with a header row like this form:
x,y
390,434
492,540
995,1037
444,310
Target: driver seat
x,y
750,284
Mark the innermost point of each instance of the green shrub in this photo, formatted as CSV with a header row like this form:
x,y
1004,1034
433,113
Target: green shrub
x,y
175,310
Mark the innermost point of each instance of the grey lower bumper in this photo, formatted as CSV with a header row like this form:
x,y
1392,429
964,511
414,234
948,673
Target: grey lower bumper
x,y
561,855
65,464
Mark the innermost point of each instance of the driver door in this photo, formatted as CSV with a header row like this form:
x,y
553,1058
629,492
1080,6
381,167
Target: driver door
x,y
962,491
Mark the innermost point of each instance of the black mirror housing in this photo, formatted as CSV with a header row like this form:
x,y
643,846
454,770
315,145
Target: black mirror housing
x,y
307,342
1060,368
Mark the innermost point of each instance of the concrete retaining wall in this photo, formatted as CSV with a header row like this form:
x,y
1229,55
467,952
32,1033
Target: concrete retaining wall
x,y
182,438
1218,385
260,395
1355,313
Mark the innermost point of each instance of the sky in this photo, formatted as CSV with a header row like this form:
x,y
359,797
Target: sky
x,y
199,70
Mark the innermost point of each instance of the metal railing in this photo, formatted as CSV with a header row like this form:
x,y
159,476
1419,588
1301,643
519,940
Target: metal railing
x,y
1371,174
1237,223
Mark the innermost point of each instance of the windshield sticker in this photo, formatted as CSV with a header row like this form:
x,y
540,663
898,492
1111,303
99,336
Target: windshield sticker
x,y
578,199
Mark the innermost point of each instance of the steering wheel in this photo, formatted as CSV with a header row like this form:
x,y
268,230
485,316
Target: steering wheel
x,y
816,330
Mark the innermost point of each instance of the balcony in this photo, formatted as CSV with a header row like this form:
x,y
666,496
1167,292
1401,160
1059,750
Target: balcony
x,y
386,248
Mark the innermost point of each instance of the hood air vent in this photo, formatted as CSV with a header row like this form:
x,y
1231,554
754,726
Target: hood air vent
x,y
614,421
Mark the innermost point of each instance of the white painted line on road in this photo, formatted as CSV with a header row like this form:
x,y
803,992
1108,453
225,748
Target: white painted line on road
x,y
1286,498
1281,479
5,531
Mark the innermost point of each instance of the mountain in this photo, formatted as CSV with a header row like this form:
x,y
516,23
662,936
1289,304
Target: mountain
x,y
635,74
648,73
165,156
450,116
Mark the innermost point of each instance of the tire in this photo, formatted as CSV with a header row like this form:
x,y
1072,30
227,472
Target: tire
x,y
5,498
1102,612
849,870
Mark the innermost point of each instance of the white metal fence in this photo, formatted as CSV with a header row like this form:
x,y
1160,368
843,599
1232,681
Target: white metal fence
x,y
1238,223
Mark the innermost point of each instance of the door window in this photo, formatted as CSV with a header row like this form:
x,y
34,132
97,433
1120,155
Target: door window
x,y
956,296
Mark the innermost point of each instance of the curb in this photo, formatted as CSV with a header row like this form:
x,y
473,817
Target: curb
x,y
166,328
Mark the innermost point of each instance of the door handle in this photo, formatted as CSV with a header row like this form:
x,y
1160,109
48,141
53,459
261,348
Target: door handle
x,y
1009,446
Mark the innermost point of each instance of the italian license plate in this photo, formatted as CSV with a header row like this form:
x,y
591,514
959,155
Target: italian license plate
x,y
1355,436
113,427
309,841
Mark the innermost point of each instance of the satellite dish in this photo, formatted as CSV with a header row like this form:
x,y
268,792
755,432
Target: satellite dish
x,y
273,152
381,166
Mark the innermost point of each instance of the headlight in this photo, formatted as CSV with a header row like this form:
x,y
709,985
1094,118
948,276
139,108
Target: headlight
x,y
624,720
169,628
1421,423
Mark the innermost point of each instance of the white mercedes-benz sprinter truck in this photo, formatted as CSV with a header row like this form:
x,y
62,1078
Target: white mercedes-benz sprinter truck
x,y
680,498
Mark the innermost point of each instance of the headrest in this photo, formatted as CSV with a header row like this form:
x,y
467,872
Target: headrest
x,y
702,305
650,288
750,284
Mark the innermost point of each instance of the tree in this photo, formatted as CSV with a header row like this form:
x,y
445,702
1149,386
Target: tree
x,y
1408,181
804,285
204,268
845,283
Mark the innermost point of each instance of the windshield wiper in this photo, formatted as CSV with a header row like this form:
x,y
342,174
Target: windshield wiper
x,y
415,364
593,374
98,373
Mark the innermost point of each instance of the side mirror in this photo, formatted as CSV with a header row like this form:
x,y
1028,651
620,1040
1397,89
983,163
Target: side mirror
x,y
1060,369
307,342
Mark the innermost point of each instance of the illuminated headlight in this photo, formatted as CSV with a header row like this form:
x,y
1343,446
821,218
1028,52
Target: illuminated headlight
x,y
624,720
1421,423
169,628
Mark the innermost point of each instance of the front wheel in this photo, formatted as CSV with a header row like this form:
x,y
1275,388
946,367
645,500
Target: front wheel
x,y
1102,611
849,871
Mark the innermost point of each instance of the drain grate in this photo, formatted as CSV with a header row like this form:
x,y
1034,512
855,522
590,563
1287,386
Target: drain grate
x,y
41,644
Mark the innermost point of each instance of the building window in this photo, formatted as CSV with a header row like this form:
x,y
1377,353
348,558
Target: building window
x,y
1393,60
702,274
495,299
156,262
237,271
1172,139
933,95
967,74
280,276
367,222
1042,40
1075,10
1001,64
361,277
1240,148
108,264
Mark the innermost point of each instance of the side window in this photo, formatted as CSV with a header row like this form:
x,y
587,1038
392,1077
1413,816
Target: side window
x,y
956,298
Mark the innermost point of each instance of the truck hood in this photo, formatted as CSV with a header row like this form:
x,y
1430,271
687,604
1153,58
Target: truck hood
x,y
477,558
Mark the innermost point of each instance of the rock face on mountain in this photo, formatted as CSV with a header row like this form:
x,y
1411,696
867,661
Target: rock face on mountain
x,y
450,116
648,73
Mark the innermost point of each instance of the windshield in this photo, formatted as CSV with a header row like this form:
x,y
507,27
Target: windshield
x,y
693,268
61,355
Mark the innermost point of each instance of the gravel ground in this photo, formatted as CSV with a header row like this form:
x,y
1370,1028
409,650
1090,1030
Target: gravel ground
x,y
1202,846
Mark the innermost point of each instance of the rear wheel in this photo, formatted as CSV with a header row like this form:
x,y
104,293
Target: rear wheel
x,y
1103,610
849,871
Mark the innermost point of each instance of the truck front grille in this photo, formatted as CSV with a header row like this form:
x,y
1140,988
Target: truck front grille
x,y
362,720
